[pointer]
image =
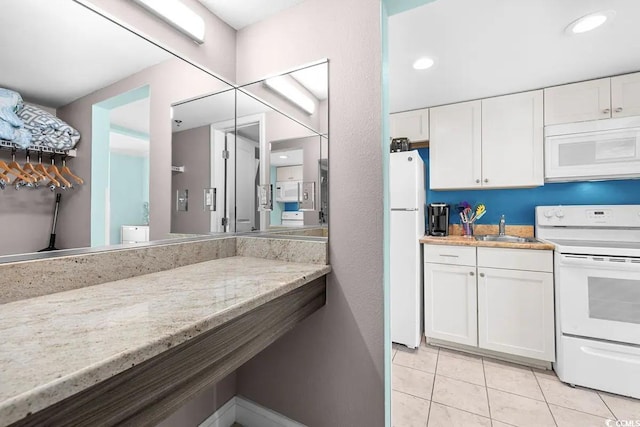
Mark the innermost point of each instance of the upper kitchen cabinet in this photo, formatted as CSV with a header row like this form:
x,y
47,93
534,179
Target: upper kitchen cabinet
x,y
625,95
492,143
512,140
578,102
411,124
592,100
455,147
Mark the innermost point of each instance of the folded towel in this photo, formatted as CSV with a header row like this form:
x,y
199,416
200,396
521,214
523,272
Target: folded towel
x,y
10,124
48,130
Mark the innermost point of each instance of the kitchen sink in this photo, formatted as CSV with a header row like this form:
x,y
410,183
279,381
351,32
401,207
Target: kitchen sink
x,y
506,238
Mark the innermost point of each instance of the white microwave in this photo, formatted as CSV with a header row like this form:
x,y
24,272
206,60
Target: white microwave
x,y
288,191
594,150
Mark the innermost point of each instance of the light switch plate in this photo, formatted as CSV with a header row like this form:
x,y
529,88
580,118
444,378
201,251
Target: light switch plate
x,y
307,196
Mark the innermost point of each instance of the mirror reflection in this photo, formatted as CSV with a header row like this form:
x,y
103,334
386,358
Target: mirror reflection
x,y
84,131
242,165
92,153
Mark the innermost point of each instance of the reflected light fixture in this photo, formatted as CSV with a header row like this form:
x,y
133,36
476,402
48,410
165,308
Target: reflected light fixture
x,y
177,14
590,22
285,88
284,157
423,63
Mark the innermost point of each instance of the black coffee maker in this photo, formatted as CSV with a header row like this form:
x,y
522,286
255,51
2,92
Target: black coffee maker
x,y
438,216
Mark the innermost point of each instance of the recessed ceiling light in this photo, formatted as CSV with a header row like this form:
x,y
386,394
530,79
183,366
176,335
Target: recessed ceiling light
x,y
284,157
590,22
423,63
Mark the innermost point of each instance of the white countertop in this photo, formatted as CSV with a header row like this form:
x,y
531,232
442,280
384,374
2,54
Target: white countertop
x,y
54,346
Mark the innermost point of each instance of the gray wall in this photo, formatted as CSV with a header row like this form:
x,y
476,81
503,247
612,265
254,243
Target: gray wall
x,y
329,370
191,149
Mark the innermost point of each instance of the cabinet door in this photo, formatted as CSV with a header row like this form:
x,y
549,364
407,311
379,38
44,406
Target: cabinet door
x,y
515,312
455,151
289,173
411,124
512,140
578,102
450,303
625,95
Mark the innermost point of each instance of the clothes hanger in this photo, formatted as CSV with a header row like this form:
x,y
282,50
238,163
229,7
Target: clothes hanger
x,y
65,170
4,180
40,168
5,167
53,169
15,165
31,170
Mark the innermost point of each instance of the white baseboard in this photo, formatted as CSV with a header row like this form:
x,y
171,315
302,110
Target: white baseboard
x,y
225,416
247,414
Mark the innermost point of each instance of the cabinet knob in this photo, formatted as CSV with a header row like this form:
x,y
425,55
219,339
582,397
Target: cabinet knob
x,y
481,274
606,110
471,273
619,110
477,181
486,180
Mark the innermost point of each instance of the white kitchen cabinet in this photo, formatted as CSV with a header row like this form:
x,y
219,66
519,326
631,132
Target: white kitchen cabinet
x,y
513,140
625,95
515,302
455,159
411,124
289,173
450,293
493,143
515,312
496,299
578,102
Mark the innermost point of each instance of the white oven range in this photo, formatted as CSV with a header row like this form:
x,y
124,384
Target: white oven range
x,y
597,294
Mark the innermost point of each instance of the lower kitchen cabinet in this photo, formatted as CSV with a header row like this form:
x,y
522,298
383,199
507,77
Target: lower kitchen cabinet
x,y
515,312
496,299
450,303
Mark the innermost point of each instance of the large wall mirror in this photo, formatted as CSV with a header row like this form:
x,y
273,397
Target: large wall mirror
x,y
253,159
135,144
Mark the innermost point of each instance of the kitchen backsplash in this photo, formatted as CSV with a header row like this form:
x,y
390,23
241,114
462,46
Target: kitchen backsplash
x,y
518,204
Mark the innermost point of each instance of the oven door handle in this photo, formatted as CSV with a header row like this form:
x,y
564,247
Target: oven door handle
x,y
599,262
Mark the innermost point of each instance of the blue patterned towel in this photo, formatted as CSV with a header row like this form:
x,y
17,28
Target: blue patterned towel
x,y
48,130
10,124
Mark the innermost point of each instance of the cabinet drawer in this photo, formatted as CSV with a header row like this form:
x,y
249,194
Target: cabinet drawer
x,y
516,259
455,255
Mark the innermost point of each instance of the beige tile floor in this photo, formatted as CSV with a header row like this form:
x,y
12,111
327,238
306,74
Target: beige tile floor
x,y
443,388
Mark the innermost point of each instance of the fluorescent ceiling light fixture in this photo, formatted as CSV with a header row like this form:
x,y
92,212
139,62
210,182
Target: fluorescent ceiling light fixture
x,y
178,15
423,63
590,22
285,88
284,157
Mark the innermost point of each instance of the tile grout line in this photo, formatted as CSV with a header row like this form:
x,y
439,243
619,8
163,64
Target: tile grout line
x,y
553,417
486,391
605,404
433,386
468,412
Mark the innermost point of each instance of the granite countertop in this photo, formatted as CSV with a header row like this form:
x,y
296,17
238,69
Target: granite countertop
x,y
57,345
470,241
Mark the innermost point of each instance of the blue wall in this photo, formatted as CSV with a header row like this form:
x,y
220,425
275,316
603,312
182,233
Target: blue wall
x,y
518,204
128,179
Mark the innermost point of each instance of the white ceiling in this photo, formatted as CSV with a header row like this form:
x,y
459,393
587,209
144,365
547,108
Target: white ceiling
x,y
134,116
294,157
78,51
491,47
239,14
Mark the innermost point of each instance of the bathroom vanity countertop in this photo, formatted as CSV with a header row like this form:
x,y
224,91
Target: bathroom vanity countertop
x,y
470,241
57,345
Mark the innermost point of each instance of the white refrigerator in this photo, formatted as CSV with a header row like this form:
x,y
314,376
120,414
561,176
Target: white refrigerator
x,y
407,225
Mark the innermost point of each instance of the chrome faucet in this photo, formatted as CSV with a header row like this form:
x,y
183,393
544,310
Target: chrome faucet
x,y
502,226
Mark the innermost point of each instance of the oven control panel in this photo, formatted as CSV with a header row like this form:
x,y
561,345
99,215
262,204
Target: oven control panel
x,y
609,216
